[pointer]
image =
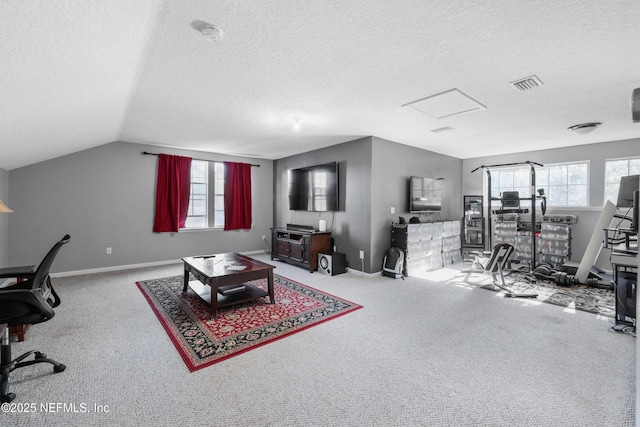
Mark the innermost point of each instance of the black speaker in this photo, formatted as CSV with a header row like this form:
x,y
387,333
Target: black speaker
x,y
626,298
332,263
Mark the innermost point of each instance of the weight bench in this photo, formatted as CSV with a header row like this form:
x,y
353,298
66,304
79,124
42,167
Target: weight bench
x,y
495,265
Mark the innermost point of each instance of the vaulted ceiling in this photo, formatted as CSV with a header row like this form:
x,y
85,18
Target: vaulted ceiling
x,y
75,74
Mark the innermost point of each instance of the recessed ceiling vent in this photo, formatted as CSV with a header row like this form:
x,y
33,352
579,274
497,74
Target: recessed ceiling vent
x,y
527,83
442,129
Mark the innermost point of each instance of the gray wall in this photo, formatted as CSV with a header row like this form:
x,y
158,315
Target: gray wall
x,y
596,154
373,178
104,197
4,219
393,164
351,224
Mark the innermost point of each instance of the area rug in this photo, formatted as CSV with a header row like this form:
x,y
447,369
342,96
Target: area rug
x,y
202,341
578,297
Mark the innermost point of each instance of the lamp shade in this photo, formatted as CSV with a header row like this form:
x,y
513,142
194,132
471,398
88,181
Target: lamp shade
x,y
4,208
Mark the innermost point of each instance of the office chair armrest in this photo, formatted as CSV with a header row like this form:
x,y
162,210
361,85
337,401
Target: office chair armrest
x,y
34,299
26,272
49,294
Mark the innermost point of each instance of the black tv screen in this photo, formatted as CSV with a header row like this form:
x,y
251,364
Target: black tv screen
x,y
425,194
314,188
628,184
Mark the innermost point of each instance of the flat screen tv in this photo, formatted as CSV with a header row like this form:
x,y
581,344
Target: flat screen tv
x,y
425,194
628,184
314,188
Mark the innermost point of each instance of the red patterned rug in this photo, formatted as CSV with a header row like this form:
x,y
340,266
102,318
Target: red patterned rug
x,y
202,342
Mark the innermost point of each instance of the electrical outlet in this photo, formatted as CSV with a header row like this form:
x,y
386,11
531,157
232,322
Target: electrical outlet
x,y
361,254
264,238
393,210
108,251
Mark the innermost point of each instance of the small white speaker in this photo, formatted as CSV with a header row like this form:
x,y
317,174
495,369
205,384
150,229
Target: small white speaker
x,y
322,225
332,263
635,105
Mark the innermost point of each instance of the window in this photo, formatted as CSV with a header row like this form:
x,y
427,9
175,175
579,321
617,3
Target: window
x,y
511,179
613,171
197,214
206,202
218,195
565,184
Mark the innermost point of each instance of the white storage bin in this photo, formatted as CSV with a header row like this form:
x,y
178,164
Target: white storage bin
x,y
438,230
447,229
426,231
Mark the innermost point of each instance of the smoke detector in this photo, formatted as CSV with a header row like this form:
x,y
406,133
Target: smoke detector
x,y
211,33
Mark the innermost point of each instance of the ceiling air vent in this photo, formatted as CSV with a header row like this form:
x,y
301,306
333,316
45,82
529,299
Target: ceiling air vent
x,y
442,129
527,83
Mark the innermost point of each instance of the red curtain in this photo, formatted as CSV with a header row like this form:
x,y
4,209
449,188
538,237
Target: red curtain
x,y
237,196
173,187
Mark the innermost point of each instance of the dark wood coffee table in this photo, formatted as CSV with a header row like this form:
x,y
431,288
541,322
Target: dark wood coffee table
x,y
218,270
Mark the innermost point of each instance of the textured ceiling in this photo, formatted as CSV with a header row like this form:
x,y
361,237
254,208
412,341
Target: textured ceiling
x,y
77,74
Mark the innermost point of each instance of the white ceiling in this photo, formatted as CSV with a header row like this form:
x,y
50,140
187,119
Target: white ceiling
x,y
75,74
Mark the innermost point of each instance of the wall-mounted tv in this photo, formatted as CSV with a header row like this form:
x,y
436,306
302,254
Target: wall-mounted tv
x,y
314,188
425,194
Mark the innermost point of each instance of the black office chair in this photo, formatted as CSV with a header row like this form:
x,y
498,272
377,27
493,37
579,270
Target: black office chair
x,y
495,265
29,301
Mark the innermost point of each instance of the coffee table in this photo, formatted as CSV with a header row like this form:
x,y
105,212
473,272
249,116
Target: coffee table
x,y
223,270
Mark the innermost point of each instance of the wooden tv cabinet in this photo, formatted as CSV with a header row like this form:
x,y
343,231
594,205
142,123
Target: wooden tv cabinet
x,y
299,247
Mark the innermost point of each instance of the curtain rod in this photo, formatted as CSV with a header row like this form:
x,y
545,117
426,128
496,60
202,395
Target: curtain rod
x,y
202,160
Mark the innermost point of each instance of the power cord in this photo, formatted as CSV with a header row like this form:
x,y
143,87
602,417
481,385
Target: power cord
x,y
267,243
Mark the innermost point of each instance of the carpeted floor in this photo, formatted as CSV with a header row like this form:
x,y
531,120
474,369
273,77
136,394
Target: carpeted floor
x,y
576,297
420,353
202,341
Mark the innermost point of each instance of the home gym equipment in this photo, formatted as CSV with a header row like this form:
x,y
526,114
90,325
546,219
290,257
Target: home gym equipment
x,y
510,203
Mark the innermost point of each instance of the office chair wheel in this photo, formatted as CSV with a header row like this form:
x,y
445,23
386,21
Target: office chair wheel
x,y
8,397
59,368
39,355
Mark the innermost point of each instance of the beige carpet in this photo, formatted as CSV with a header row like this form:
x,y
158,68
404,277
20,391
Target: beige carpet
x,y
420,353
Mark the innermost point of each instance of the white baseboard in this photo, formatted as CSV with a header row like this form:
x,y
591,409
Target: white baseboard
x,y
130,266
363,274
114,268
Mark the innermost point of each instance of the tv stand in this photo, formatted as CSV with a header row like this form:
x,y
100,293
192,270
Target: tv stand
x,y
299,245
